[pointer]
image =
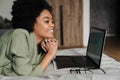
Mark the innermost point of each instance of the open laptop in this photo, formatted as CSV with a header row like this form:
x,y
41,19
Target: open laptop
x,y
92,60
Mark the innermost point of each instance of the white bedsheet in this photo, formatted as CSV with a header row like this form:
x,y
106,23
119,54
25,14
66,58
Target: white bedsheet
x,y
109,65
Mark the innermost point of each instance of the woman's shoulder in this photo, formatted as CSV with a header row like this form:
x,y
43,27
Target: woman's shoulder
x,y
20,32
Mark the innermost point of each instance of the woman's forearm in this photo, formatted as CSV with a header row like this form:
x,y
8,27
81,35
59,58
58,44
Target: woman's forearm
x,y
46,61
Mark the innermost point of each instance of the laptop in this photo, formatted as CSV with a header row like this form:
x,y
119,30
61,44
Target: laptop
x,y
92,59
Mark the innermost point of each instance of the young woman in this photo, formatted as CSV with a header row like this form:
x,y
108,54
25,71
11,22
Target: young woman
x,y
28,49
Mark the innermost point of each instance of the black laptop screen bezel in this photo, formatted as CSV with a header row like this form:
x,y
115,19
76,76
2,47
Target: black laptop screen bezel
x,y
104,31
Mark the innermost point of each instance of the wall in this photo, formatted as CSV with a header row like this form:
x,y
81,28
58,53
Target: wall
x,y
104,14
86,21
5,9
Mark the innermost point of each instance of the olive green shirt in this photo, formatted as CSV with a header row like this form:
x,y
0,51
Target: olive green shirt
x,y
19,55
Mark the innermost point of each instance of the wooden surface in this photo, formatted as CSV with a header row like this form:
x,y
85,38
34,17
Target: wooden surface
x,y
112,47
72,22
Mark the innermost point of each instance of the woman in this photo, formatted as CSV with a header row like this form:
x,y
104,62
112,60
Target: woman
x,y
28,49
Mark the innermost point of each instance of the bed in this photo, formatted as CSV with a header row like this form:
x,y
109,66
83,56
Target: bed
x,y
108,64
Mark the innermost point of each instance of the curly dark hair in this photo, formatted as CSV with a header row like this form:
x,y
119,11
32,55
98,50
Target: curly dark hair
x,y
25,12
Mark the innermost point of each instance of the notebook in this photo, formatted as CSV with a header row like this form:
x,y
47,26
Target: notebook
x,y
92,59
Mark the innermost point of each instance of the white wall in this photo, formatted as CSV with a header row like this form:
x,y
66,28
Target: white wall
x,y
5,9
86,21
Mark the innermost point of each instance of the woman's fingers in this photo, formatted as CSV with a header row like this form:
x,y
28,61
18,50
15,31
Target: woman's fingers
x,y
43,45
48,44
50,40
51,44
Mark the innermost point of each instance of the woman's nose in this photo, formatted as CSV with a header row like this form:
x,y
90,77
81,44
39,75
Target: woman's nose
x,y
52,24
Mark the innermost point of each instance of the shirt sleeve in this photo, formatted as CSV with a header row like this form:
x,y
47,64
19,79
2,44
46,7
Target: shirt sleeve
x,y
21,58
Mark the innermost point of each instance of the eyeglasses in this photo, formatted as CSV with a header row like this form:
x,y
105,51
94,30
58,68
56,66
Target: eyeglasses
x,y
79,70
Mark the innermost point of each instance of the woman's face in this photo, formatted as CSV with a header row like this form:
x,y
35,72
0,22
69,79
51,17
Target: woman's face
x,y
44,26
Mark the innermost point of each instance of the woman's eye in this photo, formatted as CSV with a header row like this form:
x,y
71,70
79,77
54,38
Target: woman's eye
x,y
46,21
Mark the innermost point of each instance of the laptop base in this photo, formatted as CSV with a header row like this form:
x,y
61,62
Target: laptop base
x,y
74,61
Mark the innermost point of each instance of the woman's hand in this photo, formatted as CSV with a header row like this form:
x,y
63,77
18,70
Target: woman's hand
x,y
50,45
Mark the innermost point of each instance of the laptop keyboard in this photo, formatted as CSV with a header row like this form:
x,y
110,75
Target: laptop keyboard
x,y
72,61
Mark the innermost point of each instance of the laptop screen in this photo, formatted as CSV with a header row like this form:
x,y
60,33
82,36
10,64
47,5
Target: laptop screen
x,y
95,44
